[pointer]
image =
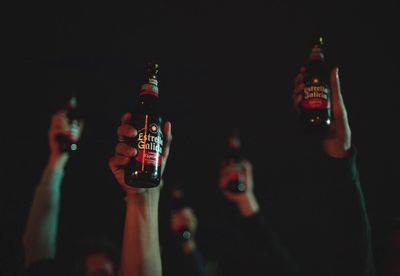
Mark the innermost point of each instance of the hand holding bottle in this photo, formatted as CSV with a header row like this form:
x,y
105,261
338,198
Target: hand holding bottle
x,y
184,225
233,157
245,201
183,220
61,126
124,152
337,140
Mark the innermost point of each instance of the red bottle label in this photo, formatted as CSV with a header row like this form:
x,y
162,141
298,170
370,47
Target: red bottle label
x,y
316,96
149,145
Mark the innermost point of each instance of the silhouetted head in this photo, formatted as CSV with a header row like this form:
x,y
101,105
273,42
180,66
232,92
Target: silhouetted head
x,y
97,257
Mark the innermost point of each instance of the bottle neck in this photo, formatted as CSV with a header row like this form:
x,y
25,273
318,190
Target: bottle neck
x,y
149,88
317,54
234,143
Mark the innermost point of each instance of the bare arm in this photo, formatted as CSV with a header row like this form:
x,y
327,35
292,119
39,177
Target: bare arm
x,y
140,250
39,238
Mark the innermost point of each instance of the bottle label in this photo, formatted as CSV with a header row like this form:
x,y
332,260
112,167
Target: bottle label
x,y
149,144
316,96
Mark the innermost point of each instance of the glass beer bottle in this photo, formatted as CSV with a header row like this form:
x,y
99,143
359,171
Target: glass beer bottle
x,y
233,157
178,203
68,142
144,169
315,107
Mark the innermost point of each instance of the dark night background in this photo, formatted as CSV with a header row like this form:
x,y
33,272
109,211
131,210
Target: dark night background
x,y
221,65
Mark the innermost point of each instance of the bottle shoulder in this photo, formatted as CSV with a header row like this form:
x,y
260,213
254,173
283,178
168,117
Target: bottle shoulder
x,y
147,104
233,154
316,68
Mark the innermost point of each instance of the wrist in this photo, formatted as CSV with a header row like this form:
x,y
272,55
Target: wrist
x,y
188,246
57,161
338,144
248,206
147,198
337,151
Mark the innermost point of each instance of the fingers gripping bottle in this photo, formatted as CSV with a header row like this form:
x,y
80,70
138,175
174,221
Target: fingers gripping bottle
x,y
144,169
315,107
233,157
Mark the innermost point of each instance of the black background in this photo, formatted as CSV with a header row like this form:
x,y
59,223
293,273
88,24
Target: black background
x,y
222,64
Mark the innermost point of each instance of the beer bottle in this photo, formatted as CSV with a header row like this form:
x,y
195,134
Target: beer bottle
x,y
315,107
234,157
144,169
179,202
68,142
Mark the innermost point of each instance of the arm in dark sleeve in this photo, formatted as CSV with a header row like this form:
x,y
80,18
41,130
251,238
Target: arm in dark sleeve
x,y
271,255
176,262
347,219
193,263
42,267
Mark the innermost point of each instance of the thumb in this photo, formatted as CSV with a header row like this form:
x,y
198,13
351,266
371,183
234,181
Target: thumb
x,y
338,107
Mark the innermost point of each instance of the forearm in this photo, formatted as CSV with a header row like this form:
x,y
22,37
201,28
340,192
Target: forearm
x,y
350,216
248,205
141,249
345,185
270,255
193,262
39,239
182,259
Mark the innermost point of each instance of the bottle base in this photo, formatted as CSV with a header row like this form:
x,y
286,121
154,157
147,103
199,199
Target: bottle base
x,y
315,124
143,180
236,187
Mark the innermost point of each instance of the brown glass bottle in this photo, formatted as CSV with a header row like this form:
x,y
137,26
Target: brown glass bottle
x,y
315,107
144,169
66,142
178,203
234,157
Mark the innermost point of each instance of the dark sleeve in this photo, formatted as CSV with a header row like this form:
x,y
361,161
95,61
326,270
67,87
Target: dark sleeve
x,y
271,256
350,251
176,263
42,268
193,264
